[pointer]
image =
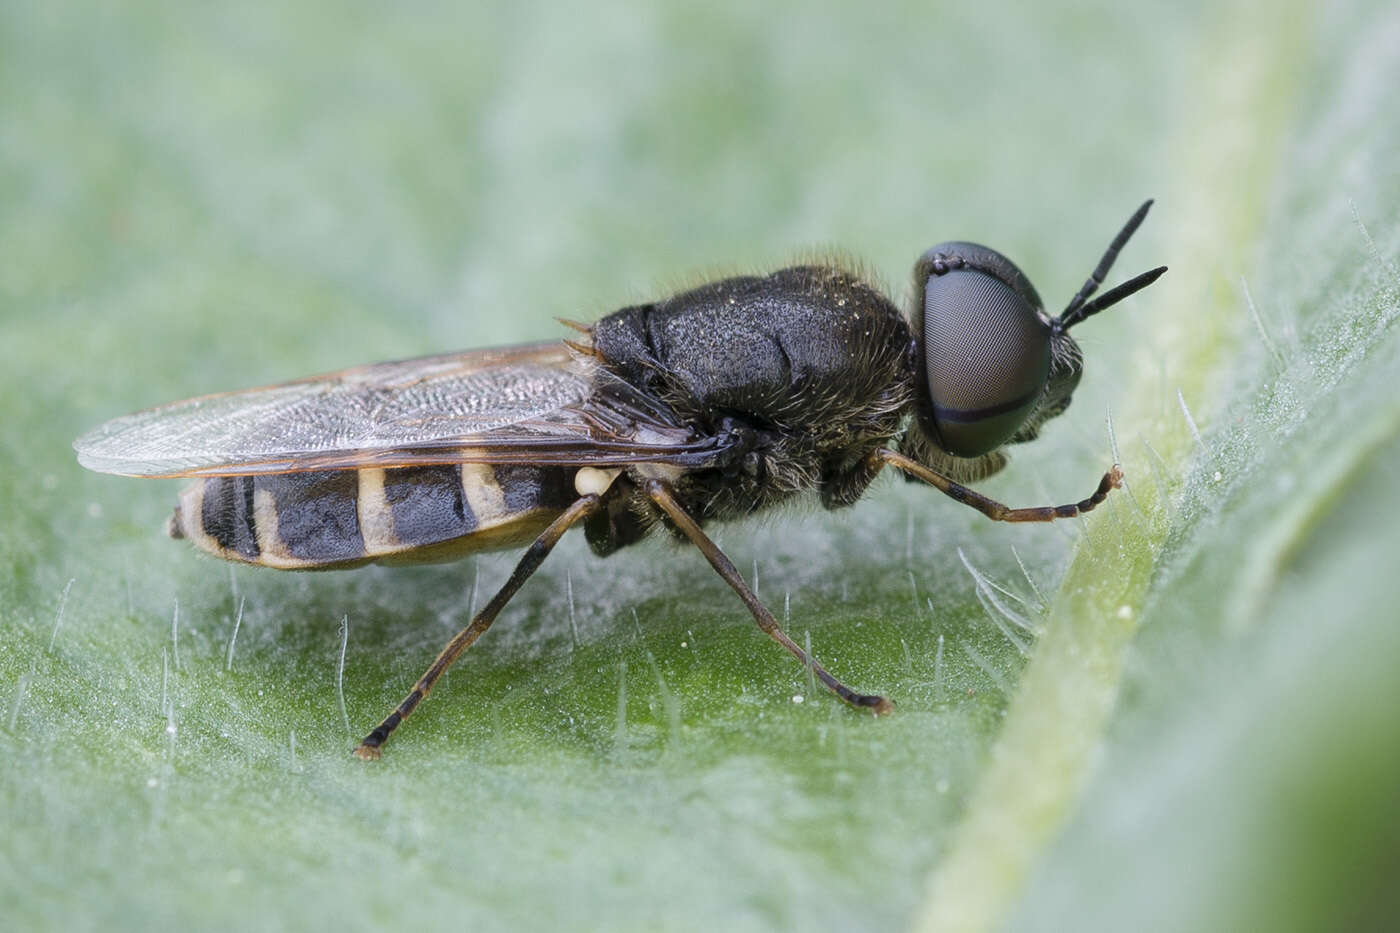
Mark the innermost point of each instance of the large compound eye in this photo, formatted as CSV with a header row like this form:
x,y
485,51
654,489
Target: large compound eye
x,y
986,347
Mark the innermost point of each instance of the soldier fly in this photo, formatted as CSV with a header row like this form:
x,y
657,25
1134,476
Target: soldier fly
x,y
713,404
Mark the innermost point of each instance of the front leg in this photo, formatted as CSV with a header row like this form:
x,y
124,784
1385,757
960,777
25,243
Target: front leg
x,y
990,507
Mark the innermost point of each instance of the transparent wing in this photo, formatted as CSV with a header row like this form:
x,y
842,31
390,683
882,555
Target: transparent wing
x,y
539,403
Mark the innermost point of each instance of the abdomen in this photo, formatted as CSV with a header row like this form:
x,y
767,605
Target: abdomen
x,y
344,518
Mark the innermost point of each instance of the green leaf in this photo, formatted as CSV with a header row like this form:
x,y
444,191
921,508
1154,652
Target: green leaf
x,y
1198,730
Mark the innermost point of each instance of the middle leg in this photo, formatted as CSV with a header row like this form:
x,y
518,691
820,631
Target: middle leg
x,y
661,494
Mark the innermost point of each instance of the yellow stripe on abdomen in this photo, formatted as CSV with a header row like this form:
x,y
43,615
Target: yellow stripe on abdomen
x,y
483,493
376,516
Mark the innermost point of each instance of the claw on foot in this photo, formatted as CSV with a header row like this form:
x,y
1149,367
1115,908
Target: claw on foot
x,y
880,706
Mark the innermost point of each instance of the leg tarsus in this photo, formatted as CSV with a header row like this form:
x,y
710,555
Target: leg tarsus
x,y
991,508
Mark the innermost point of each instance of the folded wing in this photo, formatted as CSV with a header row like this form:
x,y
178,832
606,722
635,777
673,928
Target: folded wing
x,y
539,403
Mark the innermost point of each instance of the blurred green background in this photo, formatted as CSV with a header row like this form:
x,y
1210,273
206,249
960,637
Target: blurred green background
x,y
1182,714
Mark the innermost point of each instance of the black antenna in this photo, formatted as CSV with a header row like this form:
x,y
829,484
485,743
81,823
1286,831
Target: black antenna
x,y
1113,296
1077,310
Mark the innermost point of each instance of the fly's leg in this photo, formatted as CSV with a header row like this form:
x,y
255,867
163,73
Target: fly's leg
x,y
990,507
529,562
662,495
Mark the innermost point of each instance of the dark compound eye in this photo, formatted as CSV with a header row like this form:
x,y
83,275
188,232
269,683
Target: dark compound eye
x,y
986,346
987,340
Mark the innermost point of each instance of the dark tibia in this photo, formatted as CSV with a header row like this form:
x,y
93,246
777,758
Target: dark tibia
x,y
529,562
661,494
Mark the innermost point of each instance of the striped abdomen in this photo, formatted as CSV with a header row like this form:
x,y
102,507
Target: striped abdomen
x,y
344,518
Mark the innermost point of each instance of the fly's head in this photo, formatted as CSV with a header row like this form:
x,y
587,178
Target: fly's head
x,y
995,365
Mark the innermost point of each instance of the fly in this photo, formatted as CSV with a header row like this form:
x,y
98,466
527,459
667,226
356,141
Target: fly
x,y
713,404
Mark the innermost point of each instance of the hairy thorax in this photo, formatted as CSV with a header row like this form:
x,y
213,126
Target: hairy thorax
x,y
802,372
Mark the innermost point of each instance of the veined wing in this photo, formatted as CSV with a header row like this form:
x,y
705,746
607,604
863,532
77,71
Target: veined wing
x,y
537,403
